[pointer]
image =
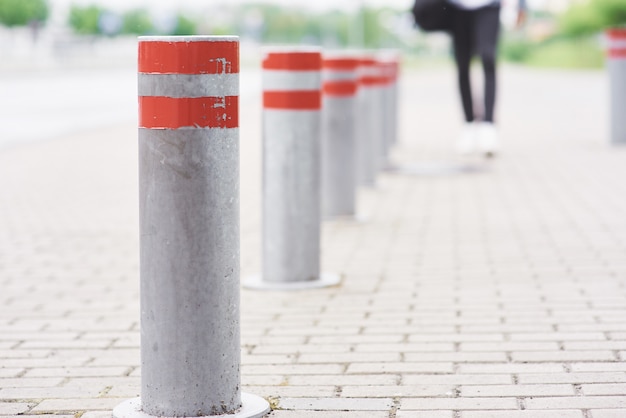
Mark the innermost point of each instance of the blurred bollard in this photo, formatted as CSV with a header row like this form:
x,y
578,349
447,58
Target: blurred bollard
x,y
339,121
292,101
371,132
189,230
390,61
616,65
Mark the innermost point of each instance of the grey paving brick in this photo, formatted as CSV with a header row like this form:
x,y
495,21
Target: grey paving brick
x,y
395,391
405,368
578,402
459,403
607,413
14,408
517,390
327,414
524,414
427,414
604,389
80,404
335,404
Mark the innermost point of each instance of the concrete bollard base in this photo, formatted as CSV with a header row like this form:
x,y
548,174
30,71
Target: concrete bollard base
x,y
325,280
252,406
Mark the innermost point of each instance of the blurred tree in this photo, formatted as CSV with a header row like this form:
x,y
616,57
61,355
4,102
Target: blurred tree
x,y
184,26
611,12
85,20
592,16
23,12
138,22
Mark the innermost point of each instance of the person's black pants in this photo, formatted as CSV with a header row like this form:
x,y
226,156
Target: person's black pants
x,y
475,32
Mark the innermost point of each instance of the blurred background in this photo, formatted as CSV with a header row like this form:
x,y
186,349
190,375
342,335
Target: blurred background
x,y
68,61
42,32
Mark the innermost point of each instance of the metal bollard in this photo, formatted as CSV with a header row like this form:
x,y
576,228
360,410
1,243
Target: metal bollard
x,y
616,65
389,61
189,228
291,171
371,133
339,121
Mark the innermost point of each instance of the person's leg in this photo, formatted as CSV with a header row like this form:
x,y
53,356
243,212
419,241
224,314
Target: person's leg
x,y
462,40
487,28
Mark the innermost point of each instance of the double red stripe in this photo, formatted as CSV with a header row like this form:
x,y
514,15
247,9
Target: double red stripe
x,y
159,112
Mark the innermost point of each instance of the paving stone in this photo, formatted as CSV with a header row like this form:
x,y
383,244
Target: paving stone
x,y
14,408
335,404
523,414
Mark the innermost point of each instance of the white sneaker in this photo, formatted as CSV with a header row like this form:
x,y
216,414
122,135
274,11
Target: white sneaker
x,y
467,142
487,139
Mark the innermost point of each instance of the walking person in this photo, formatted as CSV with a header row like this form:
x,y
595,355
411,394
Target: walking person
x,y
475,29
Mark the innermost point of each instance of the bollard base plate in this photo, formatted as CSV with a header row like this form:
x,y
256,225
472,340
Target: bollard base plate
x,y
325,280
252,406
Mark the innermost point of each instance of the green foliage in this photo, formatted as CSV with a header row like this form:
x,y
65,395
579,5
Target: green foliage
x,y
84,20
184,26
23,12
583,19
515,49
137,22
567,53
556,52
292,25
611,12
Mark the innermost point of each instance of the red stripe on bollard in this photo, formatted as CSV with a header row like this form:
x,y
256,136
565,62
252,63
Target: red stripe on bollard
x,y
293,100
340,88
293,61
616,33
340,64
617,52
157,112
372,81
173,57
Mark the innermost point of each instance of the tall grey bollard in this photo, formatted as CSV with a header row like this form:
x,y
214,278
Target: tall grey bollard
x,y
616,64
339,119
189,231
291,171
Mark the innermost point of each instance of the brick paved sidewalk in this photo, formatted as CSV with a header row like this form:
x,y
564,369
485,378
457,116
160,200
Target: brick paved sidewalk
x,y
475,289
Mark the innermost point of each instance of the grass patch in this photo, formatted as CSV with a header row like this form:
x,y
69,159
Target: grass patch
x,y
566,53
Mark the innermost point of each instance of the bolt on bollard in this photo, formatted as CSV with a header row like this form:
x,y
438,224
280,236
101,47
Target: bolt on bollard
x,y
189,231
291,171
339,120
616,65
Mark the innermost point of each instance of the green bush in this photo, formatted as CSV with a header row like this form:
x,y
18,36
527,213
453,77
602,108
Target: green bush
x,y
137,22
611,12
184,26
514,49
567,53
23,12
84,20
583,19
